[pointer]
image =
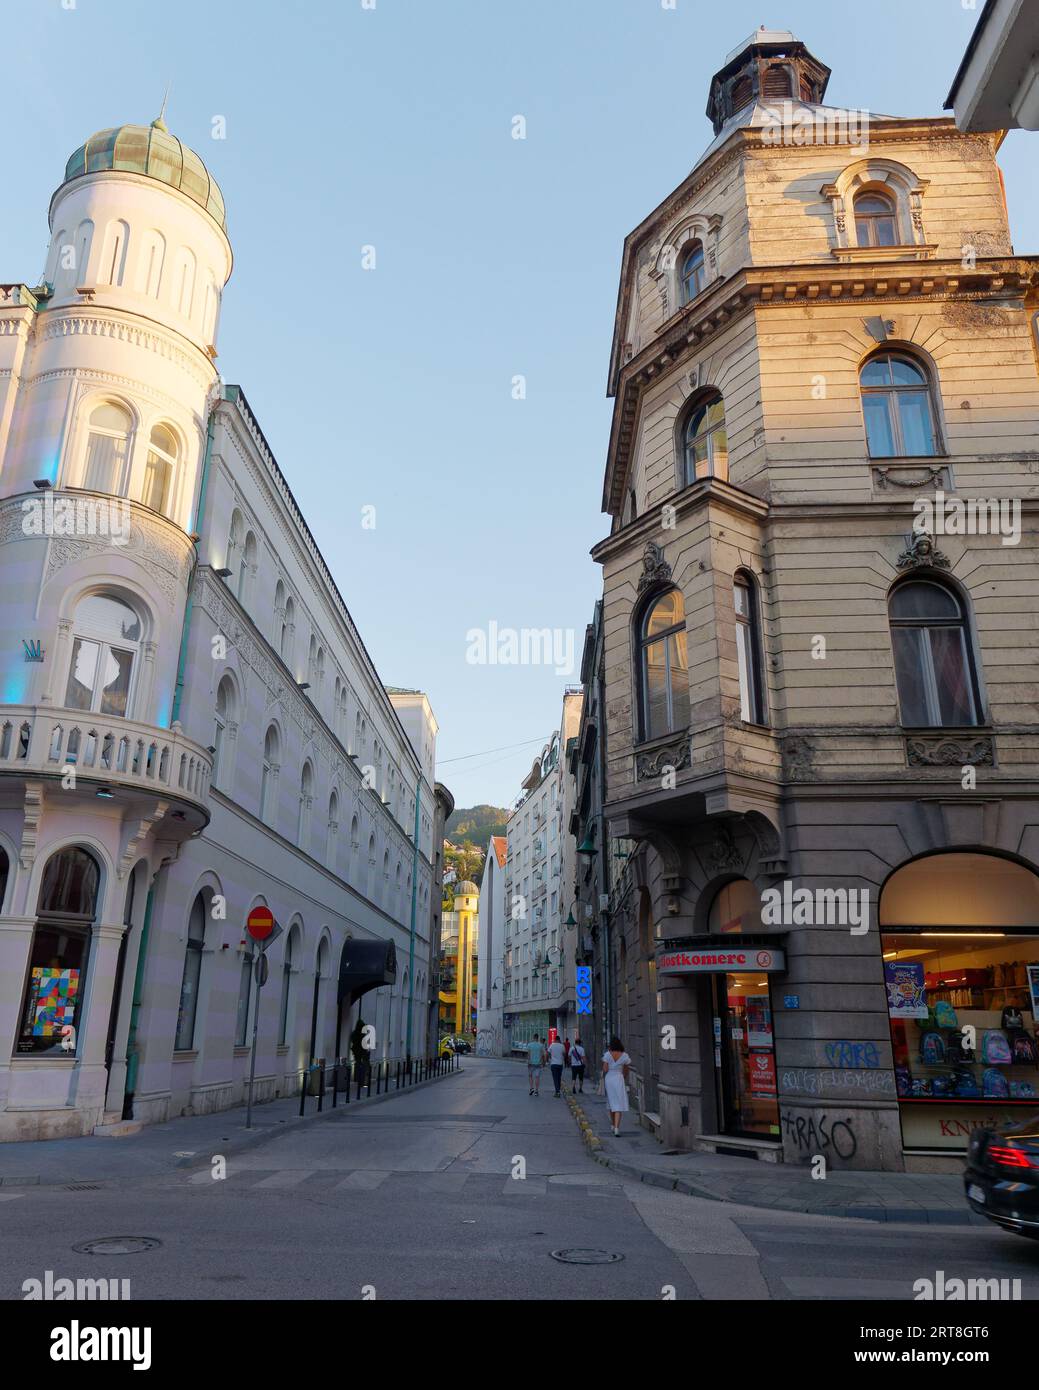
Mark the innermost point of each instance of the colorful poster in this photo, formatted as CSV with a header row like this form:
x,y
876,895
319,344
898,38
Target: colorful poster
x,y
762,1074
905,989
53,1000
759,1021
1033,985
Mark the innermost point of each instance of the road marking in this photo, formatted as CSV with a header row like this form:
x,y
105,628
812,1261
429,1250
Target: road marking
x,y
363,1180
289,1177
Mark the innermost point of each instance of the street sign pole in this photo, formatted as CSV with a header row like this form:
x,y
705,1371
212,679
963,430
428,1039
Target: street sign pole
x,y
260,966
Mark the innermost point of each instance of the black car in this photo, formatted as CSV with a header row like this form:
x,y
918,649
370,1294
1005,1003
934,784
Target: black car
x,y
1002,1176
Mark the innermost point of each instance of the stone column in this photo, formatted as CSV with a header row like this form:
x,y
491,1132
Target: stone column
x,y
90,1077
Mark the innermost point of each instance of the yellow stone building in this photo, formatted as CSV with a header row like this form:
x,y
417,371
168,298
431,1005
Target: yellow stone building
x,y
458,961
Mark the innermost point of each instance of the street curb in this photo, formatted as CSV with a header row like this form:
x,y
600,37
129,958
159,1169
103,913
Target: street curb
x,y
926,1216
238,1145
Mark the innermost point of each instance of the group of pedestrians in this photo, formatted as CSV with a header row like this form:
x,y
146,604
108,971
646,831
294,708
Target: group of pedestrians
x,y
615,1067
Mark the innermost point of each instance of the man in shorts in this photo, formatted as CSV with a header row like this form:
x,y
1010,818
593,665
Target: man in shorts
x,y
535,1061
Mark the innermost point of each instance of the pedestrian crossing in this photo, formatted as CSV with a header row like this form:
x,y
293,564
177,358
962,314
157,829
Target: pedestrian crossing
x,y
462,1184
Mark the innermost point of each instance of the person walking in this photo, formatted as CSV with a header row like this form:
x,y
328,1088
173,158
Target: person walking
x,y
556,1058
577,1061
535,1061
615,1067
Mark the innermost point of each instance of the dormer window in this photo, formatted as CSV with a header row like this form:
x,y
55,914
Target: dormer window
x,y
693,275
776,84
876,223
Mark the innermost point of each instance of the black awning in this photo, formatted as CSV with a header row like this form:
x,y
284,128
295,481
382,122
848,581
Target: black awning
x,y
366,965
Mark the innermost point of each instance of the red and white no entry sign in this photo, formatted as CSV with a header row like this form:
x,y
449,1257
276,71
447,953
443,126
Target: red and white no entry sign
x,y
260,923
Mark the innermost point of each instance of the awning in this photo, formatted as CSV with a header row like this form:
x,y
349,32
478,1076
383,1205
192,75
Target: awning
x,y
366,965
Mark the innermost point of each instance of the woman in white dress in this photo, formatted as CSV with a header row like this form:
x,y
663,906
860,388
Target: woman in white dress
x,y
615,1065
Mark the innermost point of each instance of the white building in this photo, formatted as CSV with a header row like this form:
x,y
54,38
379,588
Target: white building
x,y
196,727
539,969
491,974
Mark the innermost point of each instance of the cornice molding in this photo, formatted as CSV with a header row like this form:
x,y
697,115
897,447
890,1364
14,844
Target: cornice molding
x,y
86,322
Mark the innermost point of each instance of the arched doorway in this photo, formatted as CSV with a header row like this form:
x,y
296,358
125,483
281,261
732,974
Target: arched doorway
x,y
960,946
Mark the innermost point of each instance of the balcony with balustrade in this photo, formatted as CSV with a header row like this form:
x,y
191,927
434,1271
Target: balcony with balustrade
x,y
110,757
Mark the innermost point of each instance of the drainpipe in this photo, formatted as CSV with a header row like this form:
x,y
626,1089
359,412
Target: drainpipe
x,y
132,1054
182,657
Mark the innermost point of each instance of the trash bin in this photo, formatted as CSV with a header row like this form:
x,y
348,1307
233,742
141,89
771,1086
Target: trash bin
x,y
314,1076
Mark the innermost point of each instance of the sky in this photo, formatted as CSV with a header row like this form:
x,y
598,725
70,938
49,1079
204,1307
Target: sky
x,y
349,124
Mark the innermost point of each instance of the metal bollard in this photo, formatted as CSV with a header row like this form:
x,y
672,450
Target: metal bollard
x,y
302,1094
346,1088
335,1083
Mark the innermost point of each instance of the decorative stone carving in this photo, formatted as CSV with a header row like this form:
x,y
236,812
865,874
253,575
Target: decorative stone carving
x,y
655,569
652,765
920,552
130,854
724,853
941,750
926,476
31,823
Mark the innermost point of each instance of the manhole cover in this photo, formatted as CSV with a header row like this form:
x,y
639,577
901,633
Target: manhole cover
x,y
117,1245
586,1257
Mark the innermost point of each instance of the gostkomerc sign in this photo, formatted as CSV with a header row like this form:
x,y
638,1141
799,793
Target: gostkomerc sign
x,y
711,962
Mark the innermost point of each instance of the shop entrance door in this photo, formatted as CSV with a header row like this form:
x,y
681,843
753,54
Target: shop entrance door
x,y
745,1058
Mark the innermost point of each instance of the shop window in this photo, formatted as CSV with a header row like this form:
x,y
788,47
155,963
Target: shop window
x,y
50,1015
961,968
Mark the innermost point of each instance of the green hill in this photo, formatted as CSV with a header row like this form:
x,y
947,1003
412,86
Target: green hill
x,y
476,823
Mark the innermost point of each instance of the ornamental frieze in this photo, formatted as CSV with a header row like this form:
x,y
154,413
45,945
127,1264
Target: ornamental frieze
x,y
940,750
672,756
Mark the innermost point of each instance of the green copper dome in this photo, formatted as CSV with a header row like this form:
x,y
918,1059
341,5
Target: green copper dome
x,y
154,152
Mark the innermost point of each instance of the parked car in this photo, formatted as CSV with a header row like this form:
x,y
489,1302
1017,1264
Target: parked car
x,y
446,1047
1002,1176
461,1045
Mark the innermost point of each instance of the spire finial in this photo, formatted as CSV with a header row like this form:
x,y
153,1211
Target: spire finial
x,y
159,122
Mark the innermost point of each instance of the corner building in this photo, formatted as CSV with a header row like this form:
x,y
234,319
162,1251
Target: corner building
x,y
820,327
190,724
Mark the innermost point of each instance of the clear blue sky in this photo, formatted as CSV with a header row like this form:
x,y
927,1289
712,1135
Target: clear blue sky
x,y
495,257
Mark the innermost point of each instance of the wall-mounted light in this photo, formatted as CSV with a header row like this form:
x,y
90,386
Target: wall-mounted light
x,y
44,484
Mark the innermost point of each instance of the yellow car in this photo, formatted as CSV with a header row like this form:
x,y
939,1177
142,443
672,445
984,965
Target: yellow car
x,y
446,1050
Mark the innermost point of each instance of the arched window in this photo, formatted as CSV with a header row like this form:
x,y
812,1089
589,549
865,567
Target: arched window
x,y
269,774
897,407
664,667
192,977
234,541
705,442
312,661
876,223
775,85
306,800
286,630
105,644
58,955
163,452
247,566
692,275
224,713
108,447
333,829
749,653
286,987
937,684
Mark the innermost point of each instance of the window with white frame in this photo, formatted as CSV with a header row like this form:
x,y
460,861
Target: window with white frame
x,y
105,648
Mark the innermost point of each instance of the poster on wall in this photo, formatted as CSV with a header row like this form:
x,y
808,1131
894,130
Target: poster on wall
x,y
1033,985
759,1021
762,1074
905,989
52,1000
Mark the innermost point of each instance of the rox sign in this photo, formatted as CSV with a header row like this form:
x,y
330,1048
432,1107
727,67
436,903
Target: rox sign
x,y
702,962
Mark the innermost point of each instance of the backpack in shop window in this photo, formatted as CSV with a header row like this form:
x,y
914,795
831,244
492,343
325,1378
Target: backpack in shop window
x,y
1011,1020
1023,1050
1022,1090
994,1084
994,1048
932,1049
945,1015
966,1086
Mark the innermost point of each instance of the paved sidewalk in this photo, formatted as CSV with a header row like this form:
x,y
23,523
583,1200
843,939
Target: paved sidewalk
x,y
187,1142
932,1198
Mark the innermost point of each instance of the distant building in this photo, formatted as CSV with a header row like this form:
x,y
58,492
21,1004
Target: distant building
x,y
459,936
492,950
997,84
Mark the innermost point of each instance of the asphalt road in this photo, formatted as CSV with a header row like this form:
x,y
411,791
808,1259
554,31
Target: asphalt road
x,y
415,1199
